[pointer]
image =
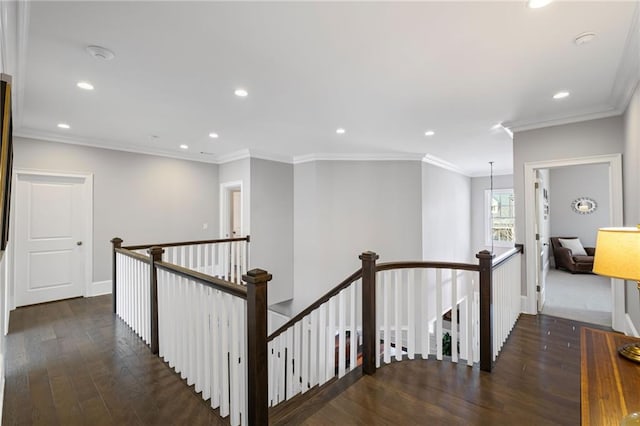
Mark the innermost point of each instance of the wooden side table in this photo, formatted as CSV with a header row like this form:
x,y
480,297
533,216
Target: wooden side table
x,y
610,384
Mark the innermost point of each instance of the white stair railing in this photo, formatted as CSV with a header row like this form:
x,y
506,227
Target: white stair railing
x,y
410,306
132,302
202,336
317,345
506,297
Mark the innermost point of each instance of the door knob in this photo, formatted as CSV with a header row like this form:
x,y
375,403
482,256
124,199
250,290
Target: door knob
x,y
79,243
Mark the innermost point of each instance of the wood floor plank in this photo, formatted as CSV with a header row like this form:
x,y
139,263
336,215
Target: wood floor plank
x,y
536,381
74,363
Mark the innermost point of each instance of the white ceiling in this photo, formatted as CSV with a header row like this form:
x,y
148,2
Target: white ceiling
x,y
386,72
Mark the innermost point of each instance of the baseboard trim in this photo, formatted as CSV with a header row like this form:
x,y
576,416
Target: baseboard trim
x,y
99,288
631,329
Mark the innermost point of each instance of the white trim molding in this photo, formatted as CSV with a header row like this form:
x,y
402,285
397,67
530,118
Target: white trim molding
x,y
616,219
99,288
443,164
631,329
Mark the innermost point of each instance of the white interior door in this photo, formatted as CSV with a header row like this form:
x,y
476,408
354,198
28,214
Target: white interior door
x,y
50,239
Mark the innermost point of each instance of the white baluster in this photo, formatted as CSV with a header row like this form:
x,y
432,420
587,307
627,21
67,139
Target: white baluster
x,y
411,314
313,348
385,278
322,342
353,326
397,290
438,314
341,333
454,315
304,360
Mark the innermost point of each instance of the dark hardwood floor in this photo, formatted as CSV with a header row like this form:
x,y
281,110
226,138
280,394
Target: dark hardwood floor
x,y
536,381
73,363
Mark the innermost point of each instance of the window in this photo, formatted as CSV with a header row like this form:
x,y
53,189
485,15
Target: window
x,y
501,214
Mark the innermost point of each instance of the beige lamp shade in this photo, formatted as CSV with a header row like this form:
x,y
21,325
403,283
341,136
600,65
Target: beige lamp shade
x,y
618,253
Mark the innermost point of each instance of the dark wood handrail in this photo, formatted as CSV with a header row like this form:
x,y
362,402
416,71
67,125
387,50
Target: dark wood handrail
x,y
499,260
344,284
433,265
208,280
188,243
133,254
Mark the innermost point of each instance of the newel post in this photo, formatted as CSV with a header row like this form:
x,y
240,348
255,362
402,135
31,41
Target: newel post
x,y
486,310
257,392
369,327
117,243
156,256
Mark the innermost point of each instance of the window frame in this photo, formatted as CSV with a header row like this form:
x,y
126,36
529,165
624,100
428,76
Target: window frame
x,y
488,221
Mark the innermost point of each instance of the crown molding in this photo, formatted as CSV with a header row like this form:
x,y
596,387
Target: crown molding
x,y
279,158
628,73
300,159
232,156
51,137
444,164
521,126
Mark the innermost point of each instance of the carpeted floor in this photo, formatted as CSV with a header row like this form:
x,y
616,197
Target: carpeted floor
x,y
581,297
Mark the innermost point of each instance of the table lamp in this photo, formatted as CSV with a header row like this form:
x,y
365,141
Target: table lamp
x,y
618,256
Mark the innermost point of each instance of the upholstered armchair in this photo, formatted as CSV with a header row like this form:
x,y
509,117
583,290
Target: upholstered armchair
x,y
567,260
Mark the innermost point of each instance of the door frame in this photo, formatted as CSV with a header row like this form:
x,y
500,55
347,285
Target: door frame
x,y
615,219
226,189
88,231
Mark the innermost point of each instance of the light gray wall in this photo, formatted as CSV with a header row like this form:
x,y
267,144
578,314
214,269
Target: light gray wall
x,y
478,209
342,208
631,165
446,217
272,225
545,223
584,139
569,183
139,198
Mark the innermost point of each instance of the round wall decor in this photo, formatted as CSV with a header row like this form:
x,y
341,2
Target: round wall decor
x,y
584,205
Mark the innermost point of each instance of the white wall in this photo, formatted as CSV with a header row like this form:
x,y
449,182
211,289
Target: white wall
x,y
272,225
446,217
139,198
569,183
478,208
631,165
342,208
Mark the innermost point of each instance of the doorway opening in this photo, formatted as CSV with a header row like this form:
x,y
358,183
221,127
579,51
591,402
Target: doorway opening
x,y
231,210
532,211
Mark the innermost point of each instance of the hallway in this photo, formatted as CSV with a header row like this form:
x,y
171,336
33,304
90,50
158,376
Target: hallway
x,y
73,363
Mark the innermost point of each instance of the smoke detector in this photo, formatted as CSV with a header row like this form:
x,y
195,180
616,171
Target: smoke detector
x,y
100,52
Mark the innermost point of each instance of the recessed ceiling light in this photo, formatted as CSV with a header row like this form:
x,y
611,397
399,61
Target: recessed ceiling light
x,y
584,38
561,95
537,4
429,133
341,131
64,126
213,135
183,146
241,93
85,85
